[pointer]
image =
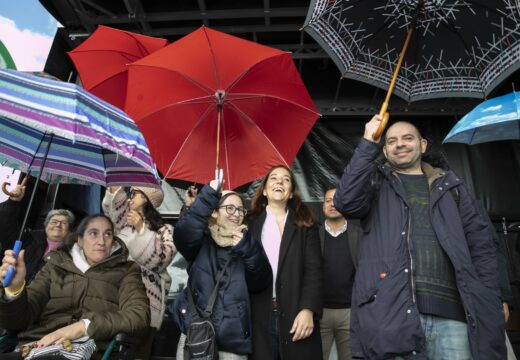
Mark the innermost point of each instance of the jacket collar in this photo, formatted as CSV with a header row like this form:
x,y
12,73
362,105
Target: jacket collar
x,y
63,258
431,173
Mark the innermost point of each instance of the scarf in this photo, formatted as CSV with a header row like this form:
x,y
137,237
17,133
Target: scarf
x,y
223,234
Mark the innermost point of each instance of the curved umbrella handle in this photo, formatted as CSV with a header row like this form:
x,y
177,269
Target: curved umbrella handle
x,y
7,192
382,126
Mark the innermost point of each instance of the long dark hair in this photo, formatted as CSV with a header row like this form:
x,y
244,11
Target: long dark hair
x,y
302,214
73,237
155,221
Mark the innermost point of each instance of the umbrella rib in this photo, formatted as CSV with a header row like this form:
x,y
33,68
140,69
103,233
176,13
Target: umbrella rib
x,y
125,54
214,62
244,73
196,83
140,46
254,96
202,118
247,118
183,102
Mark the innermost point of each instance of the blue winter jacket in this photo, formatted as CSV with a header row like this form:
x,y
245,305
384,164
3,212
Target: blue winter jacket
x,y
384,316
249,271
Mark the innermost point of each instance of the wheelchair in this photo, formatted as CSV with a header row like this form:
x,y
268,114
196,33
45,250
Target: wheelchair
x,y
121,347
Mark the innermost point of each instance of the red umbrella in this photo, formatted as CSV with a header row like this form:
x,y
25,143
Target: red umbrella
x,y
214,98
101,61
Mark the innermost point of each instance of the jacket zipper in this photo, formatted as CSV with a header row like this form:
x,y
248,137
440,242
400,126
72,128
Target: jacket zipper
x,y
412,281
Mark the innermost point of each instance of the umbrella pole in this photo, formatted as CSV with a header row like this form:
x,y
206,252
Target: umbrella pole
x,y
219,115
35,187
382,112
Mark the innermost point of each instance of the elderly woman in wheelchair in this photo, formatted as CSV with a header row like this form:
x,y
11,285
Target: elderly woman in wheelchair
x,y
87,290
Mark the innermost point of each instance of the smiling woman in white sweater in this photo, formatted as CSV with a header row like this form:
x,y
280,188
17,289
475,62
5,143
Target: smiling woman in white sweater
x,y
149,241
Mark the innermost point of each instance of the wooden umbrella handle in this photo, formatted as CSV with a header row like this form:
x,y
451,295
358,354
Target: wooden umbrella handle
x,y
377,134
7,192
382,126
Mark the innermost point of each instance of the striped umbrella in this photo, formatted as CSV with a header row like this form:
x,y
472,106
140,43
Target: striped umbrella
x,y
92,141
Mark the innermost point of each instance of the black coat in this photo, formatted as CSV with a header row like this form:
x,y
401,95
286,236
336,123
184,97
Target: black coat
x,y
298,286
384,318
249,271
34,241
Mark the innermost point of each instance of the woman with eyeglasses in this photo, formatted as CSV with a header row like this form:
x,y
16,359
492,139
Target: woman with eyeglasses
x,y
285,315
150,244
37,243
210,233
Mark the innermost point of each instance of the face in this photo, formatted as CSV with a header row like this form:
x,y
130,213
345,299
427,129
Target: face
x,y
279,186
328,206
97,240
57,228
137,200
404,146
231,212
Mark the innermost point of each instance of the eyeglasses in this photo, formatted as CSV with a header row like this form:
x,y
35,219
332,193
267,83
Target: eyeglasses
x,y
58,222
231,209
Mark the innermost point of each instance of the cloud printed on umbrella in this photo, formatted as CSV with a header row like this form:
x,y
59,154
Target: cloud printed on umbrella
x,y
493,120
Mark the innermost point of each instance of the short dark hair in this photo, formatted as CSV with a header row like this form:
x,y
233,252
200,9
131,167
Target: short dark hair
x,y
327,190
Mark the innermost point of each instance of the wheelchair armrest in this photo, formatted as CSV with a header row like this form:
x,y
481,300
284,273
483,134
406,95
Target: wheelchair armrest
x,y
121,347
124,338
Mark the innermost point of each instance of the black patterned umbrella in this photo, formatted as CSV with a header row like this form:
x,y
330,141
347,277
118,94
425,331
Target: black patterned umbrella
x,y
458,48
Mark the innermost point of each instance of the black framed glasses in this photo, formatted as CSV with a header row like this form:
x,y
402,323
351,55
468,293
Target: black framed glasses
x,y
54,222
231,209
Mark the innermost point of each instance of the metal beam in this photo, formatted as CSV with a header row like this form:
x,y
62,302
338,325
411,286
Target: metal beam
x,y
361,107
99,8
80,11
136,13
203,12
229,29
208,14
267,13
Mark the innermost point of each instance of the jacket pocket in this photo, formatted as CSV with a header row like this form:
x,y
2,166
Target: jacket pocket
x,y
369,297
485,322
387,321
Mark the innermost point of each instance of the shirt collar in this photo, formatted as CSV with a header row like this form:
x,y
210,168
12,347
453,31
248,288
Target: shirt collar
x,y
337,233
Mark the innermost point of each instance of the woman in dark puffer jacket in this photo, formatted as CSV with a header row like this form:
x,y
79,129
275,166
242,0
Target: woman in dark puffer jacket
x,y
207,235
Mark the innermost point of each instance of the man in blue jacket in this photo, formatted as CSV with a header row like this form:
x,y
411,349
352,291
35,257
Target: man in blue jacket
x,y
426,286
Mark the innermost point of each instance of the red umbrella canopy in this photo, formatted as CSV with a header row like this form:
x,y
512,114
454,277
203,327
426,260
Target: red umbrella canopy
x,y
101,61
175,94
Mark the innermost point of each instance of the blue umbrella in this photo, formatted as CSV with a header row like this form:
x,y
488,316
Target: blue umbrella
x,y
493,120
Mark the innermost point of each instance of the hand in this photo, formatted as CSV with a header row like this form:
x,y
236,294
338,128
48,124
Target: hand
x,y
505,307
135,219
69,332
113,189
237,237
371,127
190,195
303,325
214,184
18,193
19,266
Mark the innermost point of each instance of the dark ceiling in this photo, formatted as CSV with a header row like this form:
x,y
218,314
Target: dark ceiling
x,y
273,23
